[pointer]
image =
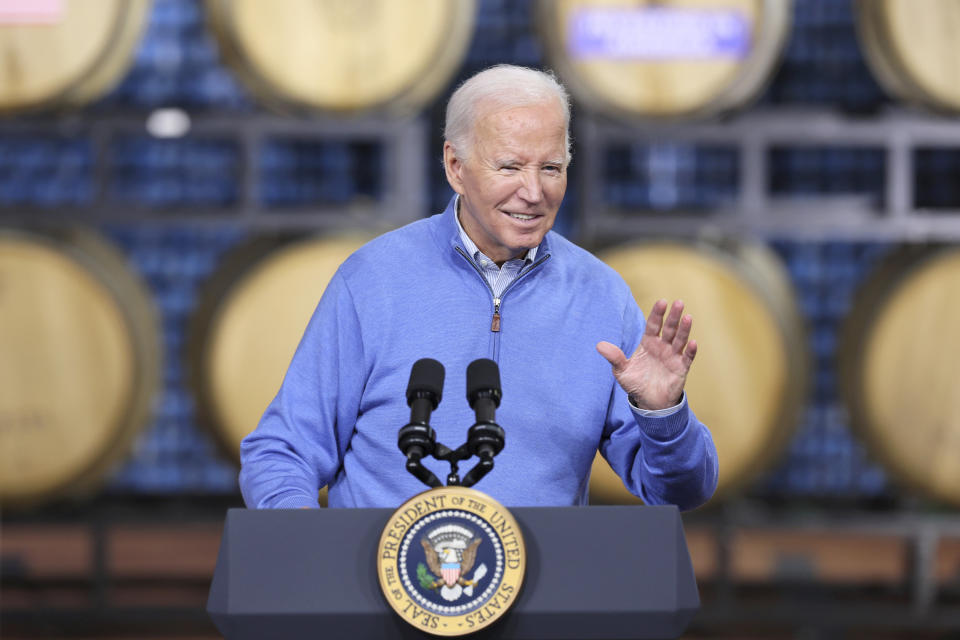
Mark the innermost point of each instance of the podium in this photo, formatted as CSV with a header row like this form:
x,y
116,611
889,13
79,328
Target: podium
x,y
592,573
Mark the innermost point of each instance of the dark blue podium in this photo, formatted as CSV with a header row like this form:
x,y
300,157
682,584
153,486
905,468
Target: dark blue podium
x,y
592,572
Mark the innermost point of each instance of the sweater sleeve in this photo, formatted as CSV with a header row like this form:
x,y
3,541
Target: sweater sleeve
x,y
663,460
300,441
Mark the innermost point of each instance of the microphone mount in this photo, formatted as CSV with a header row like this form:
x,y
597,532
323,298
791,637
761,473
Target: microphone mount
x,y
485,439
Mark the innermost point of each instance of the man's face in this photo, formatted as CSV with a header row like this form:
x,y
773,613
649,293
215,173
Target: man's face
x,y
512,184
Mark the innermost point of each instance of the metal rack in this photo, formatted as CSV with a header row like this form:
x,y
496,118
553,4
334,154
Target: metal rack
x,y
403,199
796,597
756,210
100,595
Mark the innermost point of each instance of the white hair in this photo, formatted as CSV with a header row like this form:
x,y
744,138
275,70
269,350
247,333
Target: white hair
x,y
503,86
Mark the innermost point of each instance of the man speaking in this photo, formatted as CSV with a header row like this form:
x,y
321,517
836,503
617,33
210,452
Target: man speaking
x,y
487,279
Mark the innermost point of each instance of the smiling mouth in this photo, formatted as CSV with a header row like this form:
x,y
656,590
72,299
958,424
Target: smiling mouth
x,y
521,216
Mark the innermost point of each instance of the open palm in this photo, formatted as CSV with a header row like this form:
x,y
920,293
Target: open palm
x,y
655,374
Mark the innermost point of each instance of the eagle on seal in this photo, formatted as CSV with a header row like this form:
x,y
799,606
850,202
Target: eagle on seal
x,y
448,568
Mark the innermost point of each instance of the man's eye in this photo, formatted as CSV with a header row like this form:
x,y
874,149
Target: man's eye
x,y
508,167
551,168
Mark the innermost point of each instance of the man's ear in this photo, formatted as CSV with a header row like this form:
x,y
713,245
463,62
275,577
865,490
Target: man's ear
x,y
453,167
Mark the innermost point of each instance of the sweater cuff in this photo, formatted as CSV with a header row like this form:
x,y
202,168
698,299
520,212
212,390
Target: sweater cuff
x,y
658,413
663,427
296,501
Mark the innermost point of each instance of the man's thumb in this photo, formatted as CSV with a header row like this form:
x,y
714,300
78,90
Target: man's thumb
x,y
612,354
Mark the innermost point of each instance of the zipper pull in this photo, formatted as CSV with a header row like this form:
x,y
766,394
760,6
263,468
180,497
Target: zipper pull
x,y
495,322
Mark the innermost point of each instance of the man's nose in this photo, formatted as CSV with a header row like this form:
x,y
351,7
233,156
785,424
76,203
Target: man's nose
x,y
531,190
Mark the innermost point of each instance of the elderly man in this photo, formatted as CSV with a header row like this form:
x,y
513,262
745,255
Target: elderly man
x,y
487,279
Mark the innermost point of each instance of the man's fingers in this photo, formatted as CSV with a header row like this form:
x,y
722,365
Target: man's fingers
x,y
673,320
612,354
655,319
683,334
690,353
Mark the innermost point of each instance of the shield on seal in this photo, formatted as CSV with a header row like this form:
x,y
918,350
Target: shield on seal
x,y
450,572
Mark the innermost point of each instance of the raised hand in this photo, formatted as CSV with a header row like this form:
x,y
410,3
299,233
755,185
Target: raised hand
x,y
654,375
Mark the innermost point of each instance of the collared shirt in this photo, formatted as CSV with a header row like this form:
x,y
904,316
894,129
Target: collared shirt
x,y
499,278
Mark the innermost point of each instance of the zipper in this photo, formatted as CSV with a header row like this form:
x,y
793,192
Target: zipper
x,y
495,320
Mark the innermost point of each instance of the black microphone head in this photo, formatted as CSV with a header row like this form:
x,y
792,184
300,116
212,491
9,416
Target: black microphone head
x,y
426,376
483,375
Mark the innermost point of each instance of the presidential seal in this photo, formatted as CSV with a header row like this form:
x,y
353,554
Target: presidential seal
x,y
451,561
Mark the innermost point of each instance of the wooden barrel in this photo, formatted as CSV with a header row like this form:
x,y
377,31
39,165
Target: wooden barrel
x,y
328,55
65,53
912,49
664,58
900,370
749,379
80,365
248,324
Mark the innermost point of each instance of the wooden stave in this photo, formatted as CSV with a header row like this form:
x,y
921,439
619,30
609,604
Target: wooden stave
x,y
236,268
894,80
402,104
759,70
872,297
893,74
106,265
238,262
930,89
743,89
103,72
763,272
106,75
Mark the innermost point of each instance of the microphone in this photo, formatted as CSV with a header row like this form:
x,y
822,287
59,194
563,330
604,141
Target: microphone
x,y
417,439
485,438
425,389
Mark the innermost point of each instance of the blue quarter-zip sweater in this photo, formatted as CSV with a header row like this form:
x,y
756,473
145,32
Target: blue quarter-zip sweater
x,y
413,293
